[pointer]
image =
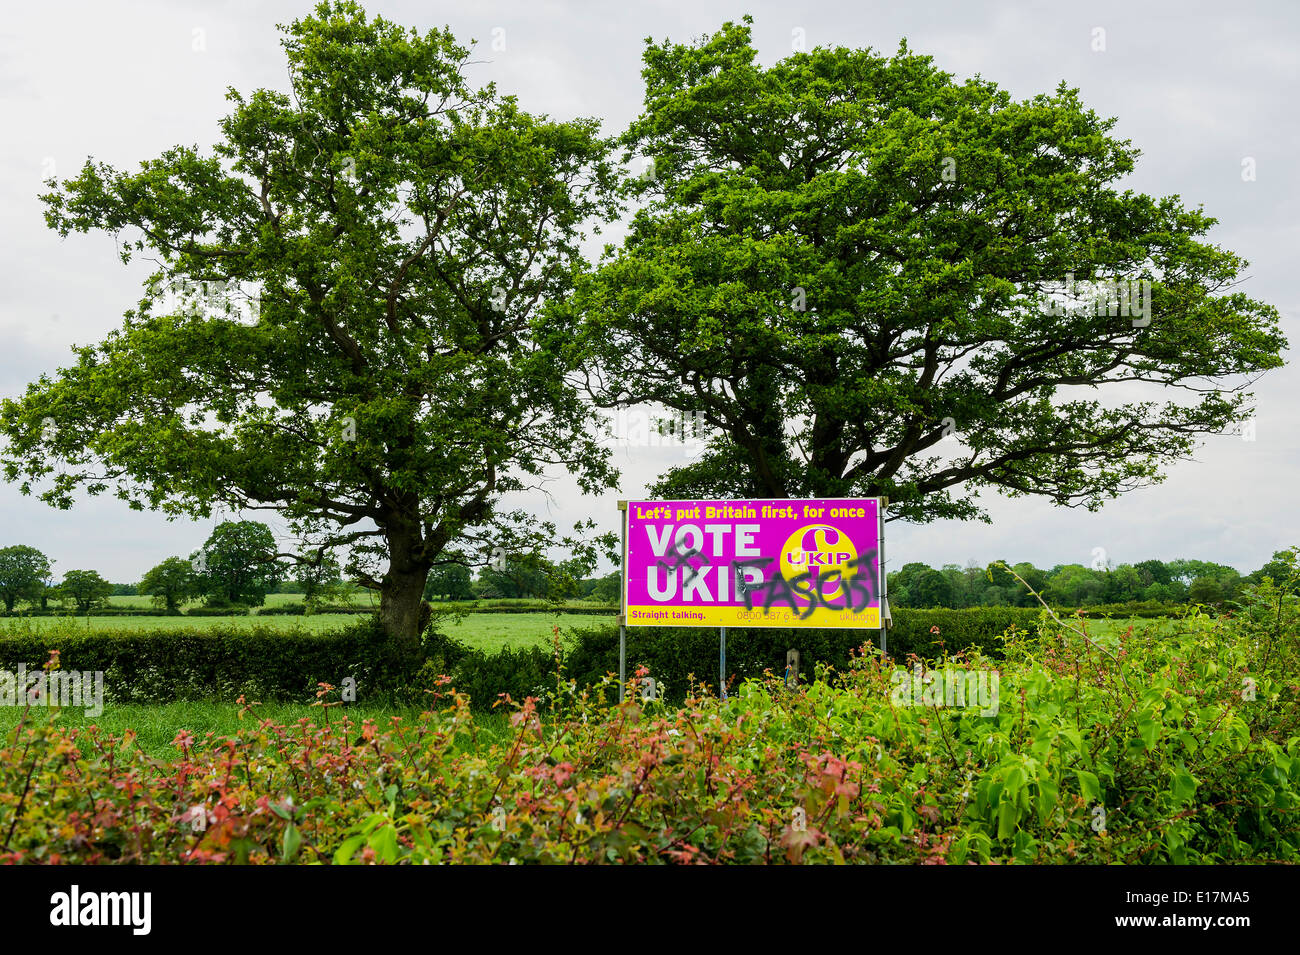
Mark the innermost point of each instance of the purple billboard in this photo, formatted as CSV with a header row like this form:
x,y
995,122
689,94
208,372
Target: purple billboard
x,y
763,563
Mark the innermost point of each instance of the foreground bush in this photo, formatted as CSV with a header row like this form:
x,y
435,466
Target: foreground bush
x,y
1142,751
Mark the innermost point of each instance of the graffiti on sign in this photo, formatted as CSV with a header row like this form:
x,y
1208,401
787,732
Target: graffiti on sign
x,y
810,563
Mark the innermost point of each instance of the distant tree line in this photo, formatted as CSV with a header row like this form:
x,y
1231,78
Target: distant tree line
x,y
1075,585
237,566
520,576
915,585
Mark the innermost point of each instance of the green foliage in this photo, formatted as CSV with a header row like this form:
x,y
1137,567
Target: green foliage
x,y
531,575
1145,609
607,589
681,657
24,574
291,610
171,583
101,610
237,564
1205,590
1144,752
85,589
515,672
317,575
219,607
1141,587
449,582
1280,570
261,662
842,259
338,321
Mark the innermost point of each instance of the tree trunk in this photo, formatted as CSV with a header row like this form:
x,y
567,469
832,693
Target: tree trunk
x,y
401,593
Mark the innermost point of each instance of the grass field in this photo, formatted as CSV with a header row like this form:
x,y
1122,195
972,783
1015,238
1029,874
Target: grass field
x,y
362,598
484,631
156,725
272,600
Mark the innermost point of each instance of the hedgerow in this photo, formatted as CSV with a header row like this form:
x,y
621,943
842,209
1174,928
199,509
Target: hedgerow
x,y
679,657
286,664
263,662
1143,749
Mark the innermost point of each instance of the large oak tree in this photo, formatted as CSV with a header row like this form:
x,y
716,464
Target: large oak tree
x,y
399,229
856,271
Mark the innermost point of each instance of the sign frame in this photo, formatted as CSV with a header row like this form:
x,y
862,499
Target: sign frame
x,y
881,502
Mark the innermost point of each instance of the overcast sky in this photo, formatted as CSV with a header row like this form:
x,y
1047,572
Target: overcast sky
x,y
1197,87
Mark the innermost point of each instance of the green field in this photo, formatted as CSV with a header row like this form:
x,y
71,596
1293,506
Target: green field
x,y
484,631
272,600
493,631
156,725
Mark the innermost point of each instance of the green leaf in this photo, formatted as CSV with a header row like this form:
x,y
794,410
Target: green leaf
x,y
1088,785
1183,784
345,852
1008,816
1015,781
1148,730
290,843
384,842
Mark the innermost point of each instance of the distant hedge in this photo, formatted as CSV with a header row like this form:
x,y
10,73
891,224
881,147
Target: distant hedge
x,y
1144,609
298,610
234,610
528,606
100,612
263,663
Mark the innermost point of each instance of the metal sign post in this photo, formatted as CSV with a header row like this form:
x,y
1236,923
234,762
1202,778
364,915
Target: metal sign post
x,y
884,576
722,662
622,611
622,658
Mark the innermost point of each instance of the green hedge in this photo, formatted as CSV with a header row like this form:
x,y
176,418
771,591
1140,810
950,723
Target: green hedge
x,y
672,654
98,612
528,606
274,663
675,654
298,610
263,663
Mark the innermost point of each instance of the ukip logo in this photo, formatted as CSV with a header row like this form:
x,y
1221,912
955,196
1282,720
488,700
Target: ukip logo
x,y
816,551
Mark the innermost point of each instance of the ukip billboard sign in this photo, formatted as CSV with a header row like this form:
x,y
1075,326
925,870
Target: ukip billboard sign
x,y
753,563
